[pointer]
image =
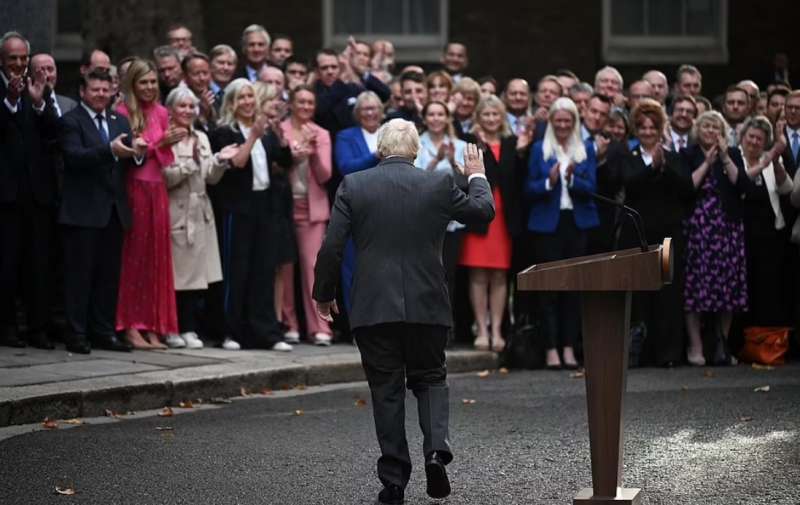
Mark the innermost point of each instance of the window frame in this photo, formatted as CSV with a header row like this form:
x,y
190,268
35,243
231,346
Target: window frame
x,y
67,46
422,48
666,49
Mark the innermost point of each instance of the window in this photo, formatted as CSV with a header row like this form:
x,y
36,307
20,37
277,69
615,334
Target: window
x,y
665,31
418,28
69,39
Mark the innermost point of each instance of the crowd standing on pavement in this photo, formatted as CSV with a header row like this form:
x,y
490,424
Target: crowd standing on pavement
x,y
181,199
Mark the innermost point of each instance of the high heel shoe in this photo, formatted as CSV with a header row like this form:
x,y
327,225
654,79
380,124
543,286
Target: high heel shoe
x,y
481,343
498,344
695,359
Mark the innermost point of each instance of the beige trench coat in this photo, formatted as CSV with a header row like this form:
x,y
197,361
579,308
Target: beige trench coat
x,y
195,255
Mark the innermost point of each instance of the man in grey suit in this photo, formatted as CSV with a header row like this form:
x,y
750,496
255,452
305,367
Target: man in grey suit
x,y
397,216
45,63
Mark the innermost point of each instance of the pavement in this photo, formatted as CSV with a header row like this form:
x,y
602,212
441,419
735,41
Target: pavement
x,y
36,384
693,436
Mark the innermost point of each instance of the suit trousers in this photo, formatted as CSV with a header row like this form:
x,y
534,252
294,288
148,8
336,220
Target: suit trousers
x,y
26,230
91,279
309,240
560,311
393,354
248,271
189,303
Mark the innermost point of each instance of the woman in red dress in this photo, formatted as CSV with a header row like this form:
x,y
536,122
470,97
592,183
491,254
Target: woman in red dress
x,y
487,249
146,289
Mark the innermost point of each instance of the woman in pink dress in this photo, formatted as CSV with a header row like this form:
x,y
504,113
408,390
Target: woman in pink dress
x,y
146,289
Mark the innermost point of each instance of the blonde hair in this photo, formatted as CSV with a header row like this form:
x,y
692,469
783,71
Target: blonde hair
x,y
265,92
492,101
227,112
136,70
576,151
398,137
711,116
363,98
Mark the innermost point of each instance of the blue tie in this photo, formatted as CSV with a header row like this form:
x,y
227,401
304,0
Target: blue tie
x,y
103,134
795,144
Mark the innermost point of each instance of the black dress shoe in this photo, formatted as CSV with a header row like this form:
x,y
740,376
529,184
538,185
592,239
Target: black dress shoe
x,y
391,495
438,483
39,340
77,344
112,343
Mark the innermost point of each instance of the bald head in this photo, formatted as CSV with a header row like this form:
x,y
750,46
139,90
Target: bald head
x,y
45,63
659,83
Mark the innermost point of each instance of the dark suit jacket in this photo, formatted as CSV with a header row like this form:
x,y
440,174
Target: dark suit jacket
x,y
232,192
335,102
397,216
24,137
730,194
94,182
508,175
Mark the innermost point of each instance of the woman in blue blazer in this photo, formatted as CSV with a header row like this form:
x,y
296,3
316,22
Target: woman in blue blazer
x,y
561,179
355,150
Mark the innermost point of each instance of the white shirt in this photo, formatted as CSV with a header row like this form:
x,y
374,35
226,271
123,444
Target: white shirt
x,y
13,108
371,139
258,158
647,158
93,115
676,140
565,199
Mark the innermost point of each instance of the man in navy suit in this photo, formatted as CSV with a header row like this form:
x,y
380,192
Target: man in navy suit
x,y
27,195
94,211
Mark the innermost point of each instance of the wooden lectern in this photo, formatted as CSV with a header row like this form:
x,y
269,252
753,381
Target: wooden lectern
x,y
605,282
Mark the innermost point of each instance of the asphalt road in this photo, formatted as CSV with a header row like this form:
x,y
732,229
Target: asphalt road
x,y
691,439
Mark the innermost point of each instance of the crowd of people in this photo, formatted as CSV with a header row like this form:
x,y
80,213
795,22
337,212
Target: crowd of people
x,y
181,199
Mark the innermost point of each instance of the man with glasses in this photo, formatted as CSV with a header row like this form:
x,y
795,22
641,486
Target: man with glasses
x,y
684,112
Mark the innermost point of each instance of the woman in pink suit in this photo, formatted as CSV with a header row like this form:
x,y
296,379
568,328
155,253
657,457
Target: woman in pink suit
x,y
146,290
311,169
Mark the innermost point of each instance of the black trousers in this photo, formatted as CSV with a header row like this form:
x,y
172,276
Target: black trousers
x,y
26,230
190,305
247,292
451,251
395,355
93,259
560,312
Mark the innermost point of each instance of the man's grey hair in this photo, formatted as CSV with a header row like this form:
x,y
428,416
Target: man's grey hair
x,y
580,87
162,52
13,35
220,49
609,70
255,29
398,137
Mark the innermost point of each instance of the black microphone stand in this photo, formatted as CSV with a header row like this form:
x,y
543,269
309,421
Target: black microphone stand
x,y
632,214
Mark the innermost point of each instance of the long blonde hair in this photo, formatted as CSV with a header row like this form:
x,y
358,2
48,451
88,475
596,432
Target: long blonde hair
x,y
576,151
227,113
136,70
492,101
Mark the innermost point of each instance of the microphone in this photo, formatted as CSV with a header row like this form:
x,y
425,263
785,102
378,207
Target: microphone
x,y
632,214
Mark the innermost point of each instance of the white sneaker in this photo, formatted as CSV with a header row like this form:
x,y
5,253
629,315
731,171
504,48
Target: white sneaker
x,y
282,347
174,341
230,344
322,339
291,337
192,340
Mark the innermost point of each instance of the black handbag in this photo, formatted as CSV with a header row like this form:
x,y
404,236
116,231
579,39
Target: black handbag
x,y
525,348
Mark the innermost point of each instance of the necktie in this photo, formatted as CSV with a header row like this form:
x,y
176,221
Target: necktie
x,y
103,134
54,103
681,143
795,144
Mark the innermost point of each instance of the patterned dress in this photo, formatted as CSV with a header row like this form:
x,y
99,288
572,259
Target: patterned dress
x,y
716,270
146,288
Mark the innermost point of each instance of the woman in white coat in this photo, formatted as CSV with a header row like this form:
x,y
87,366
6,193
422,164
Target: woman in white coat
x,y
195,255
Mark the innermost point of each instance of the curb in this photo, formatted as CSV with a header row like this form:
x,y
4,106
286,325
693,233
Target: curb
x,y
157,394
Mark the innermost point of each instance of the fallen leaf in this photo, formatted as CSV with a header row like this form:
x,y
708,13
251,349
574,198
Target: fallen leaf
x,y
503,370
300,387
484,374
110,413
466,401
164,428
285,387
745,419
243,391
759,366
266,391
166,412
186,405
67,491
49,424
76,422
298,412
360,402
708,374
762,389
577,375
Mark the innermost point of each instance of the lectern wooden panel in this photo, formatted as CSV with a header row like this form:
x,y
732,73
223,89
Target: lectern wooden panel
x,y
606,281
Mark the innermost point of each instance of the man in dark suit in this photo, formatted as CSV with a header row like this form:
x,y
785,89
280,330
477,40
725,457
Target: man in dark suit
x,y
400,309
94,212
27,194
45,63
